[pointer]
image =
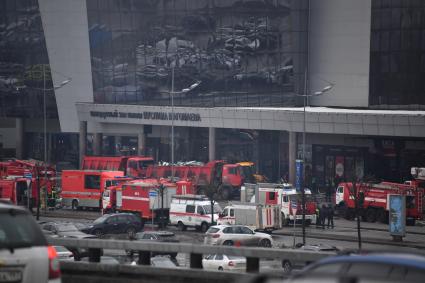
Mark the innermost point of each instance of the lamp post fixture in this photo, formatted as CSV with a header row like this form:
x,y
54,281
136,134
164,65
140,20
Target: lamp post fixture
x,y
305,96
172,92
62,84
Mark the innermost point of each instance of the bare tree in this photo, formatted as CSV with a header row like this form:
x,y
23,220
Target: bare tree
x,y
210,191
357,191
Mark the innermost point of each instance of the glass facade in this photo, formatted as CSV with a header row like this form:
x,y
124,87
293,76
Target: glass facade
x,y
23,62
242,52
397,53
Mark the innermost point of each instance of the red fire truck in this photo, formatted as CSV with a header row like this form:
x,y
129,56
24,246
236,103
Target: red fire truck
x,y
16,191
132,166
84,188
286,197
226,178
145,197
20,180
373,200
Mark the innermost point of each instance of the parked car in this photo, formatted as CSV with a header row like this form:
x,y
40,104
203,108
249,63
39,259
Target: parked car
x,y
156,236
237,235
67,230
25,255
163,262
103,260
64,254
289,264
64,230
224,262
117,223
392,267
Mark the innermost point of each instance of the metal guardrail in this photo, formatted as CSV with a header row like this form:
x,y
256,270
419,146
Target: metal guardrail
x,y
196,251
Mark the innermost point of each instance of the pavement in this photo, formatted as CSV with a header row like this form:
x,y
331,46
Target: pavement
x,y
371,233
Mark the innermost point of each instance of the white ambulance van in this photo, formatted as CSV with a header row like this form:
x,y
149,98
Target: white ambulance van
x,y
192,211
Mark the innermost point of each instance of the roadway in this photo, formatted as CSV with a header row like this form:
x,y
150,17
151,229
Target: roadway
x,y
344,236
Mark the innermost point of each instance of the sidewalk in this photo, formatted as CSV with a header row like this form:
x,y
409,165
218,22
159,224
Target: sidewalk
x,y
350,234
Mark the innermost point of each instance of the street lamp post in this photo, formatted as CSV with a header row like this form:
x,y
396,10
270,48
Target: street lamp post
x,y
305,96
63,83
172,92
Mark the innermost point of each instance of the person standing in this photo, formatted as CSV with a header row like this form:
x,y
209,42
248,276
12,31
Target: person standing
x,y
330,215
318,216
323,215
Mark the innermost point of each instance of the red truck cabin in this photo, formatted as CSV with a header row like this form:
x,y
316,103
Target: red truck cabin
x,y
84,188
15,191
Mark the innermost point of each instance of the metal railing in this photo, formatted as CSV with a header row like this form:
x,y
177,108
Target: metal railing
x,y
195,251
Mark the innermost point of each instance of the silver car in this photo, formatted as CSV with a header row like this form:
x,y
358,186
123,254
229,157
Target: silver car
x,y
24,254
236,235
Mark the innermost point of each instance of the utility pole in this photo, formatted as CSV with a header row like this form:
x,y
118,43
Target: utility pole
x,y
45,137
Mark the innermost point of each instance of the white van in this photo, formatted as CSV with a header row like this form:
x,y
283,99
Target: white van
x,y
255,216
192,211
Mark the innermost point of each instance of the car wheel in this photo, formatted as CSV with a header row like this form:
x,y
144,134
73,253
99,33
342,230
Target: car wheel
x,y
98,233
220,268
287,266
131,232
265,243
74,204
228,243
204,227
181,226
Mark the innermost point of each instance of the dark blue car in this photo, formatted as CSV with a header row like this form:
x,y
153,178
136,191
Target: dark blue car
x,y
391,267
117,223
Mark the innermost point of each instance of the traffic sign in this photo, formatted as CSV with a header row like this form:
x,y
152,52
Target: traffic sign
x,y
299,174
153,194
28,175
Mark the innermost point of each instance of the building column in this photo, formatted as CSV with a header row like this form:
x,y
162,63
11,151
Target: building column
x,y
292,155
19,138
82,140
141,144
211,144
97,144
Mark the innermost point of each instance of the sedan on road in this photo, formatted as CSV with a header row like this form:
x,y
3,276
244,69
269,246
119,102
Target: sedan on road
x,y
224,262
288,264
388,267
236,235
117,223
64,254
156,236
64,230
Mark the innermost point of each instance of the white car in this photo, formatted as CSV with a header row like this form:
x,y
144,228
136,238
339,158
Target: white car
x,y
25,256
64,254
224,262
236,235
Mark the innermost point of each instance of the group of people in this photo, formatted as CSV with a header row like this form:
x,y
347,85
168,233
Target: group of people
x,y
323,214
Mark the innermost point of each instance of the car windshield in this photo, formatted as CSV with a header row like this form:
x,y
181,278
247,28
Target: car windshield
x,y
67,228
101,219
217,208
19,230
213,230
